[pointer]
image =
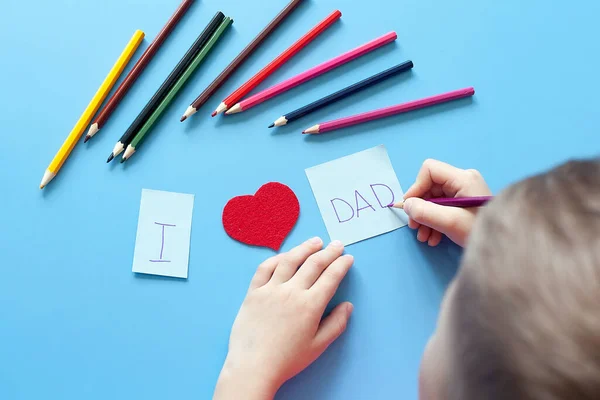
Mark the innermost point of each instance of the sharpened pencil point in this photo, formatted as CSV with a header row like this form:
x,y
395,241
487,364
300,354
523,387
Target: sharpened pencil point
x,y
214,114
304,132
222,107
399,205
123,159
110,158
48,176
272,125
85,140
312,130
183,118
235,109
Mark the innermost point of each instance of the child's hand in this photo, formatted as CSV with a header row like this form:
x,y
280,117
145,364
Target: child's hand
x,y
438,179
278,331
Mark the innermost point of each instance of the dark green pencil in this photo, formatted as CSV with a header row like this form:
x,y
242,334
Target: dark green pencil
x,y
175,89
167,85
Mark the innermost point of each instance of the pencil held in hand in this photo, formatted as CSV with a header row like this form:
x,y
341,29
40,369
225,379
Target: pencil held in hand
x,y
462,202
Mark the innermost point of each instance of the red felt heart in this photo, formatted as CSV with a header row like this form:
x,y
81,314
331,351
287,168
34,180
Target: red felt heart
x,y
264,219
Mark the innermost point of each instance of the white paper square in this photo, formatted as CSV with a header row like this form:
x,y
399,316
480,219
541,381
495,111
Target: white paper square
x,y
353,194
162,243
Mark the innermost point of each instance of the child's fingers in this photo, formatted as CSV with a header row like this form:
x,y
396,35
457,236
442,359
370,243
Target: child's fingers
x,y
333,326
329,281
435,238
412,224
264,272
441,218
423,233
290,261
310,271
433,172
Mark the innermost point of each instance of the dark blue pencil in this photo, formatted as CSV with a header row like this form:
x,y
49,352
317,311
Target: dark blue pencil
x,y
341,94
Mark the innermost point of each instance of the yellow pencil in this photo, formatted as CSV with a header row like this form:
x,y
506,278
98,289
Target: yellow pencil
x,y
91,109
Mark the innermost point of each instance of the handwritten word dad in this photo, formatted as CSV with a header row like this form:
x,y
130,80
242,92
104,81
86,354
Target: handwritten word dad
x,y
347,210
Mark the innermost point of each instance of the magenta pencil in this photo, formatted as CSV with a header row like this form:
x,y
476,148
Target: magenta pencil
x,y
312,73
389,111
463,202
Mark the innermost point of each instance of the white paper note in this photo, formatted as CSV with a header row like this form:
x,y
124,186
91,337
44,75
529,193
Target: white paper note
x,y
162,243
353,194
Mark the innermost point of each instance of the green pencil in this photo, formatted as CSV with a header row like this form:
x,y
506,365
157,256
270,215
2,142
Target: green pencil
x,y
175,89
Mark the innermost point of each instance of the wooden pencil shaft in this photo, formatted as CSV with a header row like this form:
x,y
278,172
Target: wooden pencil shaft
x,y
348,91
101,93
139,66
464,202
248,50
172,78
180,82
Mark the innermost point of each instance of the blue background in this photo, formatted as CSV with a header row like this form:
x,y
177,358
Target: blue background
x,y
76,323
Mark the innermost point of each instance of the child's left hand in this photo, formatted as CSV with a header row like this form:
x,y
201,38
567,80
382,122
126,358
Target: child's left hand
x,y
278,331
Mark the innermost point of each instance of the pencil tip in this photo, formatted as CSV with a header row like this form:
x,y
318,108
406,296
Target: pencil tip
x,y
123,159
85,140
110,158
183,118
214,113
42,186
304,132
272,125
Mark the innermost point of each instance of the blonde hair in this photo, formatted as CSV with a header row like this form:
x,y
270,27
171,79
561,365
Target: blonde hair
x,y
525,317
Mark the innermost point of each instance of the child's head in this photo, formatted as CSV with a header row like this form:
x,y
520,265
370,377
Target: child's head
x,y
522,318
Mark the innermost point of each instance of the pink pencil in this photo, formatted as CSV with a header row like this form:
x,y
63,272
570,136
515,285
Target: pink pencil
x,y
312,73
389,111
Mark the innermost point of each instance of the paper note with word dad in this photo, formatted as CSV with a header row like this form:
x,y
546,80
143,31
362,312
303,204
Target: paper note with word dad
x,y
354,206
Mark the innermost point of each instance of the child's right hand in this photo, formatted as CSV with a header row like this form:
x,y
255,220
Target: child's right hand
x,y
438,179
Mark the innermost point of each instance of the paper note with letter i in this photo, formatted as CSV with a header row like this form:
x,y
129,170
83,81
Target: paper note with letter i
x,y
162,243
353,194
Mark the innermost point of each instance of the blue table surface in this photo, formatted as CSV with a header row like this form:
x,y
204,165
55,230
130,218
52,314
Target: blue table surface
x,y
76,323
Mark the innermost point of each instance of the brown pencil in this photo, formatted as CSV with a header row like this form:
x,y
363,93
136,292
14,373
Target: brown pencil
x,y
230,69
137,70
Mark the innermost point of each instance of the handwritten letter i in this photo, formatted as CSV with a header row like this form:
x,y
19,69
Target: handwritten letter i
x,y
162,243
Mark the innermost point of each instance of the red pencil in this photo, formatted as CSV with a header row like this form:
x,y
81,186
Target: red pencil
x,y
137,70
278,62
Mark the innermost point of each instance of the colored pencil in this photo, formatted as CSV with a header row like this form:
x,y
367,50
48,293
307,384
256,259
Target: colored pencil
x,y
239,60
175,89
136,71
463,202
389,111
162,91
342,94
243,90
312,73
90,110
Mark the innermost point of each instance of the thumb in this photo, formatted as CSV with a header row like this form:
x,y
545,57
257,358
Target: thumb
x,y
333,326
441,218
